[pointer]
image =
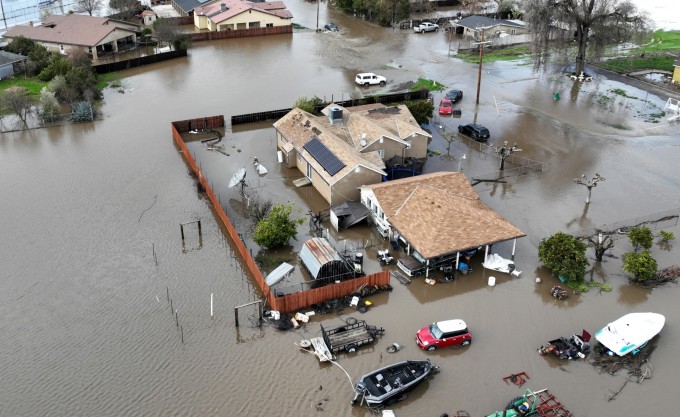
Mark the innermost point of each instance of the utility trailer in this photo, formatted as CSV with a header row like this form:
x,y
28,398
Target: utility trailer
x,y
534,404
349,337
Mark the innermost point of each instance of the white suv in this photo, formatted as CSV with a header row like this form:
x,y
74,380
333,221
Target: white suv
x,y
426,27
368,78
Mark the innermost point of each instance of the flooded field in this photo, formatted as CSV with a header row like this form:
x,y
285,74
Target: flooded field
x,y
93,260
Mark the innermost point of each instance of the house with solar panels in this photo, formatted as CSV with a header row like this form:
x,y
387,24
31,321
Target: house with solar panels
x,y
221,15
344,149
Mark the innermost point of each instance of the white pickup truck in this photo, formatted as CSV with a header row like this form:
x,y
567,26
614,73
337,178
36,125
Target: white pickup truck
x,y
426,27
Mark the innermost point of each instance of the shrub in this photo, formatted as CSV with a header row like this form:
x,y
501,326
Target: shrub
x,y
642,265
666,236
277,229
641,237
565,256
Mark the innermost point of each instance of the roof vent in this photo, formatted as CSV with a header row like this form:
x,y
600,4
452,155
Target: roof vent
x,y
362,142
223,7
335,116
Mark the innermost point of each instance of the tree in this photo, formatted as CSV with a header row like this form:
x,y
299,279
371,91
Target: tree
x,y
601,245
641,265
89,6
19,101
166,30
308,104
594,23
277,229
421,110
49,105
641,237
21,45
565,256
124,6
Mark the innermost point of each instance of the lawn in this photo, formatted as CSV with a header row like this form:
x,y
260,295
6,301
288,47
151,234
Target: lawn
x,y
662,41
430,85
498,54
636,63
31,84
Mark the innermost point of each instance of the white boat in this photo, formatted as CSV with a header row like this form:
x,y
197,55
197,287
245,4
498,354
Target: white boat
x,y
630,332
496,262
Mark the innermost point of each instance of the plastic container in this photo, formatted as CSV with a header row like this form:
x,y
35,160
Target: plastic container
x,y
492,281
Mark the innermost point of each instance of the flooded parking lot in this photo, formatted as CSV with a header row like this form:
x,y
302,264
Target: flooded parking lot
x,y
92,255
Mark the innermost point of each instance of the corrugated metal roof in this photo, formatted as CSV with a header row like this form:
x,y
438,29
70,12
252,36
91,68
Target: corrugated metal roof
x,y
317,252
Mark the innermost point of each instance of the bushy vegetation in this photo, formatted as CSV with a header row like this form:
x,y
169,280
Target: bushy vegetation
x,y
308,104
421,110
425,84
641,265
565,255
378,11
666,236
277,229
641,237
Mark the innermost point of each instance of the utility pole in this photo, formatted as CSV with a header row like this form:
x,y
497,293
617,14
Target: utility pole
x,y
317,14
481,58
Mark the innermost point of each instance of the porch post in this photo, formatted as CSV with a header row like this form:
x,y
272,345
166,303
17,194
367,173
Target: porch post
x,y
486,252
514,243
457,260
427,268
408,248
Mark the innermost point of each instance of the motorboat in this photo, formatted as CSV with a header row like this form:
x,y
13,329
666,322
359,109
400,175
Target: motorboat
x,y
391,383
630,332
577,346
496,262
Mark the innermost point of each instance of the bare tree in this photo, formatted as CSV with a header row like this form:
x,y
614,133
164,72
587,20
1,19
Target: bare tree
x,y
89,6
19,101
165,30
594,23
124,7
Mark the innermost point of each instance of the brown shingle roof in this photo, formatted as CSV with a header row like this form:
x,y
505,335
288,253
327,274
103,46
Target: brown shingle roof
x,y
440,213
72,29
236,7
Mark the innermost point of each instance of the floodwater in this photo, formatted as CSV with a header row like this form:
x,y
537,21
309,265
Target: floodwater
x,y
92,258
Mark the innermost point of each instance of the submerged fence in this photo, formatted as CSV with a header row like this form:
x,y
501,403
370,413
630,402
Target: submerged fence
x,y
138,62
286,303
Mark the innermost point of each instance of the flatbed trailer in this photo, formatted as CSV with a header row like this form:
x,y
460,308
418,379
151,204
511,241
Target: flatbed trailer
x,y
349,337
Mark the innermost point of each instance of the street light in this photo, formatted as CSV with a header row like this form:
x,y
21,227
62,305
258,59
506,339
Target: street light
x,y
462,158
589,183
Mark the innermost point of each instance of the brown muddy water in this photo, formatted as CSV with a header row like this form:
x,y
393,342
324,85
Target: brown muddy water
x,y
91,249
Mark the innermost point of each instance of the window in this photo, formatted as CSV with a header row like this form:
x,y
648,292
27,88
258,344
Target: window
x,y
270,25
309,171
381,152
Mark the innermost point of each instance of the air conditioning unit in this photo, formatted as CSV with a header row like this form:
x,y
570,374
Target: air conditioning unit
x,y
335,115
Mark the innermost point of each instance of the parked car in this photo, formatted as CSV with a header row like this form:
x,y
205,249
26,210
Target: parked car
x,y
454,95
445,107
426,27
444,334
475,131
368,78
332,27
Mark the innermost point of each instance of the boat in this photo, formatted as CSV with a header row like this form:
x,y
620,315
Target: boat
x,y
568,348
391,383
496,262
630,333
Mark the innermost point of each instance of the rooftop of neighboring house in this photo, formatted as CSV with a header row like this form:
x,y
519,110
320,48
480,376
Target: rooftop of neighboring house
x,y
474,22
10,58
221,10
70,29
440,213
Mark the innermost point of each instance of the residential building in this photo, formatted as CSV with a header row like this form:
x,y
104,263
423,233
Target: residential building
x,y
9,63
73,33
221,15
345,148
471,26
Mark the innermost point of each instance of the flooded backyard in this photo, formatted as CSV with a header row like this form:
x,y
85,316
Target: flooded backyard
x,y
106,311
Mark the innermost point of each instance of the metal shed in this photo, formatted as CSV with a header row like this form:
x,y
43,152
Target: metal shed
x,y
321,259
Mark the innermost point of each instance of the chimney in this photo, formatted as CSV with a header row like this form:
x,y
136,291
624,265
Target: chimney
x,y
30,23
223,7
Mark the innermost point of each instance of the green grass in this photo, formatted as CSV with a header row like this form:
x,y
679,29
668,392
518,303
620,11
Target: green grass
x,y
498,54
635,63
428,84
662,41
111,79
32,85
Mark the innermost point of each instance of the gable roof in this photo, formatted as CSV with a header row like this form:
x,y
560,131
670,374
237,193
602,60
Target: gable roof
x,y
474,22
10,58
300,127
72,29
214,12
440,213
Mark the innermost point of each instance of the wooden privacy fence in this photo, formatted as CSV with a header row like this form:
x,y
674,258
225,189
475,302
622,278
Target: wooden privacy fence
x,y
285,304
138,62
239,33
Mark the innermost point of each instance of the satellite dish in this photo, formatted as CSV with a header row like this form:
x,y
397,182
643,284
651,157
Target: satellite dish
x,y
238,178
362,142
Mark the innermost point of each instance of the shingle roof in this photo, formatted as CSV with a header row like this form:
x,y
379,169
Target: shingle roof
x,y
235,7
72,29
299,127
10,58
474,22
440,213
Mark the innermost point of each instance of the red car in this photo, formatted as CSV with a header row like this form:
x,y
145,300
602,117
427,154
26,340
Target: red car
x,y
443,334
445,107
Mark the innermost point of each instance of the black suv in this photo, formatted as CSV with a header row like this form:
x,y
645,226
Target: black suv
x,y
454,95
475,131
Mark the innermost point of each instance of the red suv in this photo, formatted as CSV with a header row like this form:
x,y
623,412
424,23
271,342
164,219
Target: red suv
x,y
443,334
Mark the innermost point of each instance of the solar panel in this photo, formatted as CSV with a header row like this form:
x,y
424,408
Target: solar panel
x,y
324,156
